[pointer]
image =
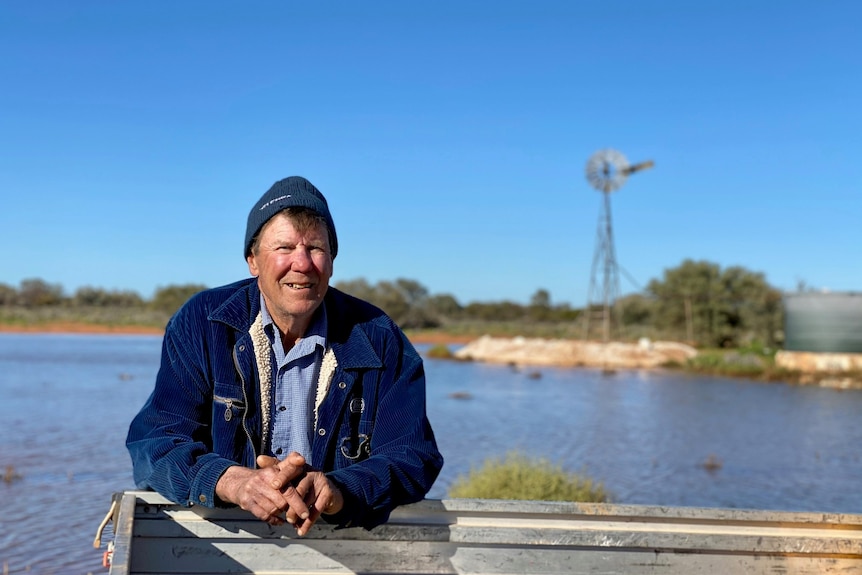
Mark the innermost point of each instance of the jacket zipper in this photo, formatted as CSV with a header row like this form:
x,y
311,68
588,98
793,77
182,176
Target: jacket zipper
x,y
229,404
245,412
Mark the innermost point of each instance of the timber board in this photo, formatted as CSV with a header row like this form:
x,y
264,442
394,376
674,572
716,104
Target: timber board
x,y
490,536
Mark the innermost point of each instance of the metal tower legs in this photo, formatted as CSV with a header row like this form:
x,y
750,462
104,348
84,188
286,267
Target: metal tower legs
x,y
604,278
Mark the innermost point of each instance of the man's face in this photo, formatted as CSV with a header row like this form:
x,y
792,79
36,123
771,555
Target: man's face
x,y
293,270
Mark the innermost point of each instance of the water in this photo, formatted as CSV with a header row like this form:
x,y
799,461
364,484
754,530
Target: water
x,y
67,403
68,399
646,435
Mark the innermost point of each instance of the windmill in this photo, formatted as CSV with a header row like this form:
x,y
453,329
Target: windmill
x,y
607,171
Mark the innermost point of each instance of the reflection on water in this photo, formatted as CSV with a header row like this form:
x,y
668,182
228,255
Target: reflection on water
x,y
647,435
67,402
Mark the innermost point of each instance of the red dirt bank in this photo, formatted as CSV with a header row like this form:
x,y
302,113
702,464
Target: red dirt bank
x,y
80,327
77,327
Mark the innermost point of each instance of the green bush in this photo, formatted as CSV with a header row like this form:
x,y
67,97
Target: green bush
x,y
732,364
440,351
518,477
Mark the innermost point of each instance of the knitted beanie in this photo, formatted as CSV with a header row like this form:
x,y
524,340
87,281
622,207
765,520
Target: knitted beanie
x,y
294,191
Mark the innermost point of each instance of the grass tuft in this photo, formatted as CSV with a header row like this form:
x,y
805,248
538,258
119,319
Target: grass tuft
x,y
440,351
519,477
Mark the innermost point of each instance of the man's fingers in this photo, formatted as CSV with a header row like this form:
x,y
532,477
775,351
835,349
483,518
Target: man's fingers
x,y
265,461
295,496
287,470
303,527
320,497
262,505
285,487
277,491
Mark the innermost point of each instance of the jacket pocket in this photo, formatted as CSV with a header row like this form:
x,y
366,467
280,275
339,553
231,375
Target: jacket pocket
x,y
229,436
229,407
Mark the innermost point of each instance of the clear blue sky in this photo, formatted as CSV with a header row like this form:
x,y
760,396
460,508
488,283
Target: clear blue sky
x,y
450,138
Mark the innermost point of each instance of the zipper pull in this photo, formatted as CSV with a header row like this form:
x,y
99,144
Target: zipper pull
x,y
228,414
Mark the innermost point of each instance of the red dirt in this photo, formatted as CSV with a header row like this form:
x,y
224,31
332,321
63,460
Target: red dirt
x,y
79,327
76,327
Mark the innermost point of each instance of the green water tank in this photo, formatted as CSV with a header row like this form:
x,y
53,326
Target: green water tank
x,y
823,322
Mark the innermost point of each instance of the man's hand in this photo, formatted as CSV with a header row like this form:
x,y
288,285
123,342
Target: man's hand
x,y
266,492
319,495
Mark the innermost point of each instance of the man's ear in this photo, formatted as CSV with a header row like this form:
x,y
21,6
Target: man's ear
x,y
252,265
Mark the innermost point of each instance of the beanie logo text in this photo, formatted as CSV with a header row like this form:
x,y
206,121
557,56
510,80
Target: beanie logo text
x,y
270,202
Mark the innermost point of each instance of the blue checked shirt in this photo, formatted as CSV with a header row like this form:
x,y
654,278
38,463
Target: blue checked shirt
x,y
294,391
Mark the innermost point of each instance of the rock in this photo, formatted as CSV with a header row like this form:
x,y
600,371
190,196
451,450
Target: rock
x,y
818,362
574,353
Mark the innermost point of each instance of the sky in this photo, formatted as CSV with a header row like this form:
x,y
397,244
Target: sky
x,y
449,137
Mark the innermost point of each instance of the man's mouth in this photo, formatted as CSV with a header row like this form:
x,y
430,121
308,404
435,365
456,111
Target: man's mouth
x,y
300,285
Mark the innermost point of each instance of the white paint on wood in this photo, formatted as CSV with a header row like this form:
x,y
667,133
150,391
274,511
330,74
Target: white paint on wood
x,y
490,536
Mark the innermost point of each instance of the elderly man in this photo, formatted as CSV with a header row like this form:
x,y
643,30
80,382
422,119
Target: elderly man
x,y
285,396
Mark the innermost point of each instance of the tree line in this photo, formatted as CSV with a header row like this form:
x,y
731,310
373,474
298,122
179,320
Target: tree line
x,y
36,293
697,301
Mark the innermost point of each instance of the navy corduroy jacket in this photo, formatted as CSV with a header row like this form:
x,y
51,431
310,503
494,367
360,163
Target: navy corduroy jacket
x,y
372,437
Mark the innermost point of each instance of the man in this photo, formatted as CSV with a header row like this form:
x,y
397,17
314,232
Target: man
x,y
285,396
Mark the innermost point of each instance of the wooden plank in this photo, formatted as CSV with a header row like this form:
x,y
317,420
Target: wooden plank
x,y
639,512
123,530
495,537
443,511
195,557
689,538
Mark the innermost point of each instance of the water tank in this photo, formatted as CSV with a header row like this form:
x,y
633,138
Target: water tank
x,y
823,322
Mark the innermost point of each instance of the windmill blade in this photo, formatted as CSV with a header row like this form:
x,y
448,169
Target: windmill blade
x,y
606,170
638,167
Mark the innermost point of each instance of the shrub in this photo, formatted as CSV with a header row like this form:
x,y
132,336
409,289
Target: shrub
x,y
518,477
732,364
440,351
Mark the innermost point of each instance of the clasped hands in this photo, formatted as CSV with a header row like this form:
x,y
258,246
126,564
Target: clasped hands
x,y
281,490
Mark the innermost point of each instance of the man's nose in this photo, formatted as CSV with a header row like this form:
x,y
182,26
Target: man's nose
x,y
301,259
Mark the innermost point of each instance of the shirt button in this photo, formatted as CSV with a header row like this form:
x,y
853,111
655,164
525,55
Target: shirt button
x,y
278,451
202,498
281,408
321,432
341,385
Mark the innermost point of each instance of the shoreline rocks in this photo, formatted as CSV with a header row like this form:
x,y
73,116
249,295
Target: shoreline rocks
x,y
523,351
834,370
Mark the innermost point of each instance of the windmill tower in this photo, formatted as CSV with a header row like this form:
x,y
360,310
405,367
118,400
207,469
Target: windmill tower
x,y
607,170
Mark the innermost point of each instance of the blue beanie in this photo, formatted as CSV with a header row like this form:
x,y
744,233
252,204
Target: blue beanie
x,y
291,192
